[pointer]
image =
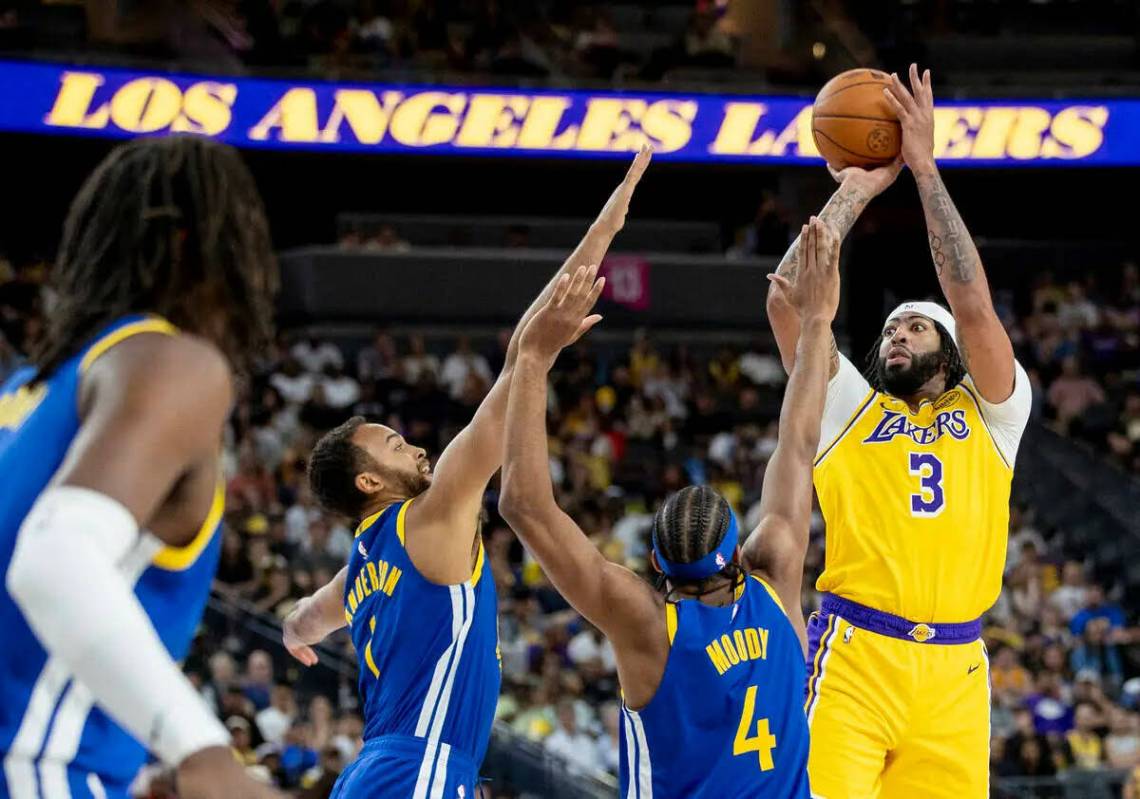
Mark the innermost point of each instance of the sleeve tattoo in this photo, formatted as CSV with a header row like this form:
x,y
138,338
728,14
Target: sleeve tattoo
x,y
840,212
951,246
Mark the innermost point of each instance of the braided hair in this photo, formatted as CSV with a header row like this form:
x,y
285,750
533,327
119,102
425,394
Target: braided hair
x,y
949,354
158,222
688,526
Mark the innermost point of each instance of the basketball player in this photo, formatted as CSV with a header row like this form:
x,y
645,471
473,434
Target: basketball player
x,y
418,592
710,672
913,478
109,448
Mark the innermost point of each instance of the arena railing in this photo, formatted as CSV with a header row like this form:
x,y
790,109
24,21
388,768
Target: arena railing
x,y
1073,784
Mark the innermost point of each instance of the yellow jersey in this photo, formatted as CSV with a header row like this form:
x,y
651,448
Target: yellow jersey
x,y
917,502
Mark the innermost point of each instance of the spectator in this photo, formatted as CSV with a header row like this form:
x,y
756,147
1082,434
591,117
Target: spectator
x,y
1008,677
379,360
1073,393
275,720
297,755
387,239
419,365
240,740
292,382
1095,654
1083,742
1072,595
236,576
570,743
1097,607
314,355
461,366
258,680
1122,745
608,754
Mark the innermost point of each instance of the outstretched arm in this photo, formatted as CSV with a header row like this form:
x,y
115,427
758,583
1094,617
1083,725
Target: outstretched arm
x,y
982,340
455,498
315,618
857,187
777,546
612,597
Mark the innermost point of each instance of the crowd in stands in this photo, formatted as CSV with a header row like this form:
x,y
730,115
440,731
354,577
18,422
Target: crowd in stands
x,y
629,424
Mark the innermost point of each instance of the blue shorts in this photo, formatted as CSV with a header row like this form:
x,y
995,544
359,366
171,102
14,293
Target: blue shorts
x,y
402,767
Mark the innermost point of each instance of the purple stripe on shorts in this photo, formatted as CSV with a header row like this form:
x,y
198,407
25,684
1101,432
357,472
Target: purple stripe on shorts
x,y
896,627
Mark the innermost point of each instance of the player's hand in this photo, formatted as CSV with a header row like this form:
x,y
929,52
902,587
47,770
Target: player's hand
x,y
915,110
214,773
291,637
871,181
815,292
566,316
612,217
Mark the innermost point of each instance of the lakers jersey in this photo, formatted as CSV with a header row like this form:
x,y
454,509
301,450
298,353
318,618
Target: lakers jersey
x,y
728,719
429,665
917,502
53,741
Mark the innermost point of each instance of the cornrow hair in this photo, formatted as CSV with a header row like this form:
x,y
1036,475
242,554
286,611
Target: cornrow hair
x,y
688,526
333,467
158,221
951,356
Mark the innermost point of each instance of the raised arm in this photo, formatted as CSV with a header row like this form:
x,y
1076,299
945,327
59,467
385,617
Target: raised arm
x,y
857,187
612,597
314,618
776,548
982,340
467,464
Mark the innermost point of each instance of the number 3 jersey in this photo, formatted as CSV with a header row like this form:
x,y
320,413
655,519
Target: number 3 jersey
x,y
727,720
917,502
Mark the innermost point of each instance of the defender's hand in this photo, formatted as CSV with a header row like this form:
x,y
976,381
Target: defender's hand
x,y
566,316
815,292
293,641
915,110
612,217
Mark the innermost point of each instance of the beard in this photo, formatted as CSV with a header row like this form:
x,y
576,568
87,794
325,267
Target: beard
x,y
906,381
410,484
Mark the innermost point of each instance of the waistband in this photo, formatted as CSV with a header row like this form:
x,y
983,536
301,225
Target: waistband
x,y
412,748
878,621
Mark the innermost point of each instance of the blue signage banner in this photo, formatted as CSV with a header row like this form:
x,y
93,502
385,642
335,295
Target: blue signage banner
x,y
391,118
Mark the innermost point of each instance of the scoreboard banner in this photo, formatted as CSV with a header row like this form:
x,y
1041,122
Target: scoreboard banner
x,y
386,118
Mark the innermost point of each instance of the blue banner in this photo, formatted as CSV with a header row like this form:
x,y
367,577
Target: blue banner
x,y
392,118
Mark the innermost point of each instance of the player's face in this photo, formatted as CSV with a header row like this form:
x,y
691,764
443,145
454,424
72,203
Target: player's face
x,y
404,469
910,353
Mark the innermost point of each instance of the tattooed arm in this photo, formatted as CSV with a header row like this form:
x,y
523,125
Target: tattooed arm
x,y
982,340
857,187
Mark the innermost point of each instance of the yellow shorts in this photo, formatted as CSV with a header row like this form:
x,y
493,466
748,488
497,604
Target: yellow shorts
x,y
895,719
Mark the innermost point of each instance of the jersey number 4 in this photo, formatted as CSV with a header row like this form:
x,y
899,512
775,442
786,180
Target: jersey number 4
x,y
763,742
930,499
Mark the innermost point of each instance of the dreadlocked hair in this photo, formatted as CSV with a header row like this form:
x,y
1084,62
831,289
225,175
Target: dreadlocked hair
x,y
955,367
158,223
333,467
689,525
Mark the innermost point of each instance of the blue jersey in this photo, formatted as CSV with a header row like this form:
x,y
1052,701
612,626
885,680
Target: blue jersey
x,y
728,718
54,743
429,660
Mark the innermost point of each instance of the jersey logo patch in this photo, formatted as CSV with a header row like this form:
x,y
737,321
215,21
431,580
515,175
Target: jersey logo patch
x,y
893,423
922,633
360,548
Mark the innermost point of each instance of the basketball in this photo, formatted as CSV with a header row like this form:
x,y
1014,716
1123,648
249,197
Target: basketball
x,y
852,123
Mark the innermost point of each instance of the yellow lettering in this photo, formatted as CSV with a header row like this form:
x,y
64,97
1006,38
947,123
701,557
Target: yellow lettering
x,y
754,651
716,655
145,105
741,647
367,117
542,120
76,91
417,123
738,128
607,119
953,129
729,649
989,142
493,120
1025,138
1076,132
371,567
798,131
18,406
382,566
763,643
393,578
353,602
206,108
294,115
670,123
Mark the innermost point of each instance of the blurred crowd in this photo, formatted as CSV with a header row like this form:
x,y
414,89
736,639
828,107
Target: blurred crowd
x,y
630,423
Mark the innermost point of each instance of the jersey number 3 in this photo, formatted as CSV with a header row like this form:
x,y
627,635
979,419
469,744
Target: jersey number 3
x,y
931,499
763,742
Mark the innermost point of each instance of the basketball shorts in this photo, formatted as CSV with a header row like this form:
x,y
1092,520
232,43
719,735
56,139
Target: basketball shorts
x,y
402,767
897,709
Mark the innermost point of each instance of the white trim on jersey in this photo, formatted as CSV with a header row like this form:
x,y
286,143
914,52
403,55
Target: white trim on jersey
x,y
438,698
19,764
95,785
645,764
826,644
630,757
440,781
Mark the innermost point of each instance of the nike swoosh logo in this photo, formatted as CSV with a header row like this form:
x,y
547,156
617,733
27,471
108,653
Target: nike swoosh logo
x,y
973,668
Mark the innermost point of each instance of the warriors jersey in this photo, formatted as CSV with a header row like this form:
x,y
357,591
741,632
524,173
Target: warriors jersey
x,y
727,720
54,742
917,502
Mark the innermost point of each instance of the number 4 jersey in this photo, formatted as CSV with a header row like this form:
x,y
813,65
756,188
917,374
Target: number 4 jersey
x,y
917,502
727,720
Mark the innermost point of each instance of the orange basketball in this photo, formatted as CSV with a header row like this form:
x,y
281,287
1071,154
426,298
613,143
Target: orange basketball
x,y
852,122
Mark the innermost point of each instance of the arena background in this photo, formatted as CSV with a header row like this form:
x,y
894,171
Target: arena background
x,y
404,261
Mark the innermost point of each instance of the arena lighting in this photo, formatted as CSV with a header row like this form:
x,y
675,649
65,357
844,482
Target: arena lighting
x,y
453,120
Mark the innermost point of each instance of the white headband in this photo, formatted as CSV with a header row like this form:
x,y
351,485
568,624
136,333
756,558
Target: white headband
x,y
931,310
